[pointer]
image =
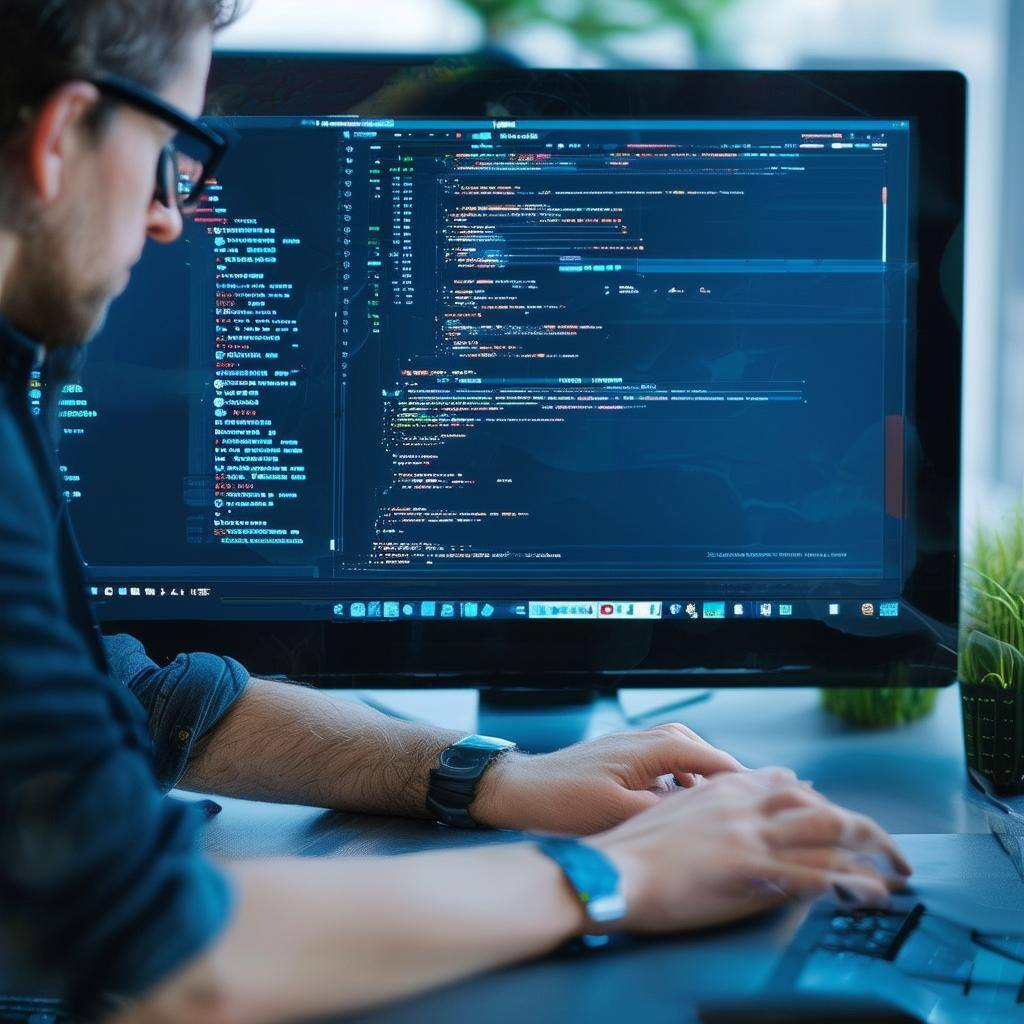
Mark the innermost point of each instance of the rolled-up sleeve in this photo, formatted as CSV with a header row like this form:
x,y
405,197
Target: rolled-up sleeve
x,y
102,881
183,700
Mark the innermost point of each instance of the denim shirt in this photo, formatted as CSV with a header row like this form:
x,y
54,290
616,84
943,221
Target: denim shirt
x,y
182,700
102,881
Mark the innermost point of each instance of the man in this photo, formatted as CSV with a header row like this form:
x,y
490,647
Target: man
x,y
100,876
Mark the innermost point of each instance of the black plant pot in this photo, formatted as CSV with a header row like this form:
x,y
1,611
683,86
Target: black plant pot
x,y
993,720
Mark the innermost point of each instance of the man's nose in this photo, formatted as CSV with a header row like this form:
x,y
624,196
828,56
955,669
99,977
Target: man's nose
x,y
164,222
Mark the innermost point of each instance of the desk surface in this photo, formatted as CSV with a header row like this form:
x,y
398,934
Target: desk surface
x,y
911,779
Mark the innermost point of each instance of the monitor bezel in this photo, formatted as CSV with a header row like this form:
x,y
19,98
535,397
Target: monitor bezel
x,y
605,655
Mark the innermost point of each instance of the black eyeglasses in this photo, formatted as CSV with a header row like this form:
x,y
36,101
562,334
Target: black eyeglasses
x,y
189,160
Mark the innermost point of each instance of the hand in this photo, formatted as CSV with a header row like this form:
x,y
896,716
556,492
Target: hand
x,y
592,786
743,843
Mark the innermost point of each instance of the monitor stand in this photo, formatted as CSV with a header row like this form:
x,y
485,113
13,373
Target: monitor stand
x,y
542,720
538,720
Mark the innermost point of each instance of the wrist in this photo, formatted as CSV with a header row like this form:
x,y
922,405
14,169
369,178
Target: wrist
x,y
454,786
495,804
568,918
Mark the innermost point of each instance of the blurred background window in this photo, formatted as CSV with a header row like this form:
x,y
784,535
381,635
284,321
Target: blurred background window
x,y
980,38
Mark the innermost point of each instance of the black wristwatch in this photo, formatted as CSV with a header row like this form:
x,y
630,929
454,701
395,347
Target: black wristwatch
x,y
453,782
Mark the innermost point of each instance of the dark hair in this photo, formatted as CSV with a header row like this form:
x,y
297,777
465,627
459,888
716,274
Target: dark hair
x,y
44,43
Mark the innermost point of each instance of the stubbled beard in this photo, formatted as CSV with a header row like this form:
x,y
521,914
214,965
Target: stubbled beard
x,y
59,321
80,322
42,302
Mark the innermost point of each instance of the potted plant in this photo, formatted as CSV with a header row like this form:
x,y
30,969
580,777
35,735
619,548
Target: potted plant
x,y
881,707
992,657
601,31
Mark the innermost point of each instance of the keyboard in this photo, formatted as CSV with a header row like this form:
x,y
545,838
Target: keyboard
x,y
32,1010
871,933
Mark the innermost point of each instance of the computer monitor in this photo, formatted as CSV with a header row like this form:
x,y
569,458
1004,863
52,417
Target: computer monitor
x,y
539,378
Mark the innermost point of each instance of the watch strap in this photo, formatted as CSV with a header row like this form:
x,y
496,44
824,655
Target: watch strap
x,y
451,791
594,879
448,800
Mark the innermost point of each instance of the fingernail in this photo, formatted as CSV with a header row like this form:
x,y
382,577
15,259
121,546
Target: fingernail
x,y
890,869
843,893
855,899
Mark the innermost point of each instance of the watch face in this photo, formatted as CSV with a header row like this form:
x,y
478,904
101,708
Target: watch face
x,y
463,757
472,751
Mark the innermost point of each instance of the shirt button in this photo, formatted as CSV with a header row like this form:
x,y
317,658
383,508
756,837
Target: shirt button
x,y
184,735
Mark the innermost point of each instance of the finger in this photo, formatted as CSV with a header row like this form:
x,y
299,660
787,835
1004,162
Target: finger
x,y
669,752
753,784
834,824
863,835
843,862
798,881
684,732
792,881
860,891
772,777
633,802
829,825
791,796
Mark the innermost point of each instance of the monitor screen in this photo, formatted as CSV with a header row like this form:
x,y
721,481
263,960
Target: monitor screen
x,y
471,371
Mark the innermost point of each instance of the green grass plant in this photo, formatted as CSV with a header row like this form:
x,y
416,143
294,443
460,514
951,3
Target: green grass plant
x,y
882,707
992,644
592,22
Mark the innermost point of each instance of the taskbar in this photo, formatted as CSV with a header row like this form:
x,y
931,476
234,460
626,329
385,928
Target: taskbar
x,y
129,600
576,609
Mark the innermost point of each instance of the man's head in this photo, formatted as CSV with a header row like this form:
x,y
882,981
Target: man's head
x,y
77,168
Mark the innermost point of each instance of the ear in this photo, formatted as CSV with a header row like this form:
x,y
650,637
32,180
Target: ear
x,y
52,141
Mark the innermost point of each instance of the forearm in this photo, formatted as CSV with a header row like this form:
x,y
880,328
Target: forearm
x,y
287,743
320,936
